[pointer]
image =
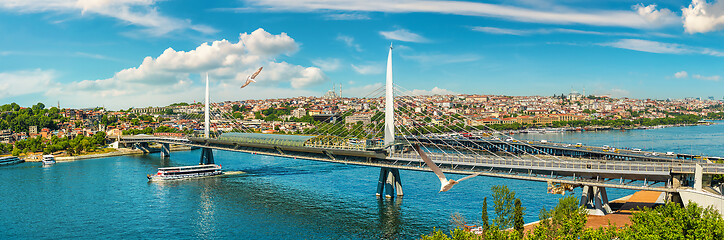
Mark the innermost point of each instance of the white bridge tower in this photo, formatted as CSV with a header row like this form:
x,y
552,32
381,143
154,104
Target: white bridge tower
x,y
389,183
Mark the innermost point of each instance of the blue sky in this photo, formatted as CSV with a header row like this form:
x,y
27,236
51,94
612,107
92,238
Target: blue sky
x,y
137,53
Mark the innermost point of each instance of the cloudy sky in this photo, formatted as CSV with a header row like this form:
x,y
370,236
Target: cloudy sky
x,y
138,53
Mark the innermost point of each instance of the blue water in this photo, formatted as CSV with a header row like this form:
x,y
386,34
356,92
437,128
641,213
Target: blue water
x,y
276,198
699,140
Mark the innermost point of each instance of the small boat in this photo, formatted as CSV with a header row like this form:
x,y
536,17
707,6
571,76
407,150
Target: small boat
x,y
48,160
177,173
9,160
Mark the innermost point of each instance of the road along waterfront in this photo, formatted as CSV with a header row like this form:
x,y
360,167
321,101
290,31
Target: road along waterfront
x,y
275,198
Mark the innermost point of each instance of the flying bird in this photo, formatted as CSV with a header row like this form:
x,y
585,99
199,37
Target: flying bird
x,y
250,79
445,184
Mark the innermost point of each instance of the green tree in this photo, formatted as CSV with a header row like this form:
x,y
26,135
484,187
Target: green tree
x,y
503,200
38,107
16,152
672,221
99,138
486,222
238,115
518,217
565,221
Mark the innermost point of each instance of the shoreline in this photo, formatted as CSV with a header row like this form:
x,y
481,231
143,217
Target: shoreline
x,y
118,152
545,130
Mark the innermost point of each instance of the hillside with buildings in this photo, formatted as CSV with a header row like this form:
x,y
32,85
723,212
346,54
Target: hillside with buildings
x,y
305,114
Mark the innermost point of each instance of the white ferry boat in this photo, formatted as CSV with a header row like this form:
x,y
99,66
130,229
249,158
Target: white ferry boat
x,y
9,160
176,173
48,159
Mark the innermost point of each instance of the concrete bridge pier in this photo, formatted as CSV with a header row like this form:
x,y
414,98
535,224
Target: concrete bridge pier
x,y
595,200
207,156
389,183
165,150
143,146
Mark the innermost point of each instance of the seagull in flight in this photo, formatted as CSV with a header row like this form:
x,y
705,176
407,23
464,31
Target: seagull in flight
x,y
445,184
251,78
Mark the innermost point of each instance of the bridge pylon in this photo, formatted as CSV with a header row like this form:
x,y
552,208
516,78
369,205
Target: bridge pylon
x,y
165,150
595,200
207,156
389,183
143,146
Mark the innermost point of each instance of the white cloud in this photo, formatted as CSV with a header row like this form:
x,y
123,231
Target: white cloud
x,y
702,17
433,91
298,76
142,13
329,64
96,56
714,78
168,76
440,59
347,16
648,46
364,91
503,31
656,17
617,93
368,69
682,74
17,83
349,41
403,35
262,43
526,32
551,15
659,47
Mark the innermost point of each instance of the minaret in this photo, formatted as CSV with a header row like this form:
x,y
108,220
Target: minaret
x,y
389,105
206,109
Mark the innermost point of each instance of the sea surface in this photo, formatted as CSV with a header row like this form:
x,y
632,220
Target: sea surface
x,y
275,198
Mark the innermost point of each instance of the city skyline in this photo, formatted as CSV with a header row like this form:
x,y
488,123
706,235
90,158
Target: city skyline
x,y
152,53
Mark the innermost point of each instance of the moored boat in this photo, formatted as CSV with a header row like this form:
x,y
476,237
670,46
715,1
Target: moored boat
x,y
48,159
177,173
9,160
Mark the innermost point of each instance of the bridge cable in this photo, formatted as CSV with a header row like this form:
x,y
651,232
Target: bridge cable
x,y
462,145
506,143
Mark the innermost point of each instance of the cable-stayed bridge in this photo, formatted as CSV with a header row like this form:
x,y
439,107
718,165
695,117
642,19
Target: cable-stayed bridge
x,y
386,139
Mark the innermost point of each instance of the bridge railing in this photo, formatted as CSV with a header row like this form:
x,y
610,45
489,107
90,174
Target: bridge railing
x,y
587,165
332,146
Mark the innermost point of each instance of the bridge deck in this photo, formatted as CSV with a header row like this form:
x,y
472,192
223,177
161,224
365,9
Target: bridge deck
x,y
611,173
557,149
416,165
